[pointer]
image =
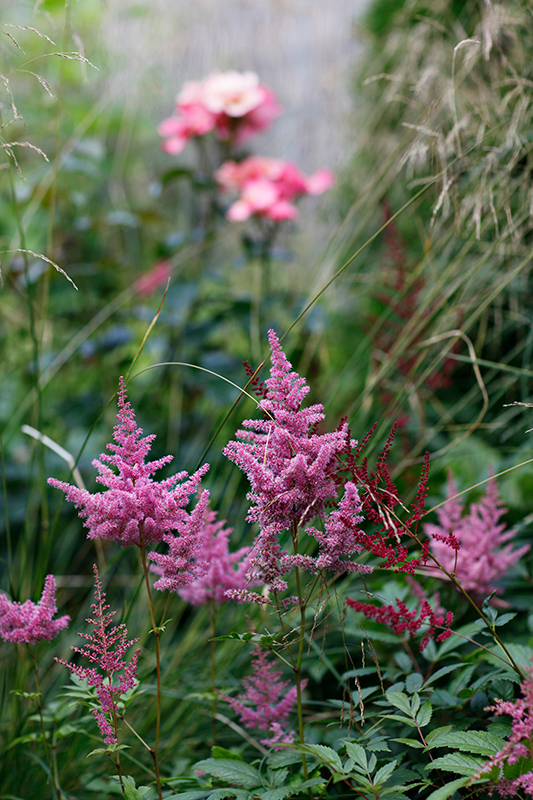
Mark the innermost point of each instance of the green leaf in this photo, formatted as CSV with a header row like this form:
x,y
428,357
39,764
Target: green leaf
x,y
503,619
221,752
410,743
399,700
480,742
415,704
356,752
405,720
384,773
456,762
197,794
436,732
424,715
131,792
221,794
227,769
325,754
413,682
446,791
440,672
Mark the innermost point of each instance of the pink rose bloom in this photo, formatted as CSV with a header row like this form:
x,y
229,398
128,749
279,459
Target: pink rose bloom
x,y
232,93
234,104
267,186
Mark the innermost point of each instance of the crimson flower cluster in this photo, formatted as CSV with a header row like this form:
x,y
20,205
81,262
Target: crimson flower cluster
x,y
112,676
29,622
292,472
135,509
266,703
402,620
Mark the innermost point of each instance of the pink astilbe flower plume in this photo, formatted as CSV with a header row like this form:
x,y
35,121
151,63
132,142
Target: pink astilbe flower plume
x,y
28,622
476,545
224,572
112,676
267,702
135,509
292,472
519,744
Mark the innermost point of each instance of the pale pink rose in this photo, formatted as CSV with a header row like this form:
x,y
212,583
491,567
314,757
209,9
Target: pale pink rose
x,y
232,93
194,120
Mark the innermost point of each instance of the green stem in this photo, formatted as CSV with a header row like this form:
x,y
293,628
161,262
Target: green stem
x,y
213,668
298,666
158,671
41,718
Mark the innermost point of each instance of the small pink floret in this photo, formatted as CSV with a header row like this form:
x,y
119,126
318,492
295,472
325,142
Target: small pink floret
x,y
28,622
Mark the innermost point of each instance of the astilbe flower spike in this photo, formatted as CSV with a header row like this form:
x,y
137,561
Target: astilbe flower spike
x,y
476,545
112,676
136,509
267,702
403,620
29,622
519,744
292,472
224,571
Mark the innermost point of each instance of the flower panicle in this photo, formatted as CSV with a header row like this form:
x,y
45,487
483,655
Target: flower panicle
x,y
474,544
135,509
267,701
29,622
106,647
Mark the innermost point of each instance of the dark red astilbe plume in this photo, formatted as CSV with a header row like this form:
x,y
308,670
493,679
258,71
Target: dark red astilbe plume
x,y
402,620
379,499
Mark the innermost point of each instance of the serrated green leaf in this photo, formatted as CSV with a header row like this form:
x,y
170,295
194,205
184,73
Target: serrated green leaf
x,y
325,754
372,761
405,720
222,794
457,762
446,791
384,773
424,715
479,742
356,752
410,743
237,772
415,704
503,619
379,744
399,700
413,682
436,732
197,794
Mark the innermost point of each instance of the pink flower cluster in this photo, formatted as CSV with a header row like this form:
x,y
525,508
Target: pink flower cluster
x,y
519,743
136,509
224,571
266,703
267,187
292,472
233,104
402,620
112,676
28,622
473,545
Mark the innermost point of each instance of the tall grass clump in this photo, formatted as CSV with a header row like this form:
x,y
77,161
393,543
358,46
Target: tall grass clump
x,y
300,565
